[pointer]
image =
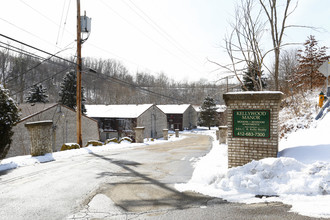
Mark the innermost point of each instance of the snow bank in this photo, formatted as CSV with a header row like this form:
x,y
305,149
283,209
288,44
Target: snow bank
x,y
300,177
28,160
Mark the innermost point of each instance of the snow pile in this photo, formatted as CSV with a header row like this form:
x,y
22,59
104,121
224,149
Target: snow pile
x,y
28,160
300,177
277,177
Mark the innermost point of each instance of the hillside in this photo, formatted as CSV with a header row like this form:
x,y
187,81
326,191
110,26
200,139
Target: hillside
x,y
298,112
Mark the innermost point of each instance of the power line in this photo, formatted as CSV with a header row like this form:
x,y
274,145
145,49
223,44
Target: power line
x,y
49,19
21,51
22,29
157,43
35,48
131,85
66,18
30,69
27,53
48,78
160,30
92,71
59,27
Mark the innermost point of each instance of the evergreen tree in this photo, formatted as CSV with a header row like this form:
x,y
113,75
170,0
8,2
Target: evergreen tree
x,y
37,94
253,78
68,92
8,117
309,61
209,113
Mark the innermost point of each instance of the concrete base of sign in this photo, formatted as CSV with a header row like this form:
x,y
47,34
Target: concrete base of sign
x,y
252,140
177,133
223,130
139,134
41,137
165,134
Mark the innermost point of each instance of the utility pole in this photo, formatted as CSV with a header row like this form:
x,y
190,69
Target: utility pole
x,y
79,138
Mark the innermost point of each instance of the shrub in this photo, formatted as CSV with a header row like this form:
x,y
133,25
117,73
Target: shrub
x,y
9,116
94,143
126,139
69,146
112,140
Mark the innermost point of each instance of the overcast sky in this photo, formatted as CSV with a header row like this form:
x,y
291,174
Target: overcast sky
x,y
171,36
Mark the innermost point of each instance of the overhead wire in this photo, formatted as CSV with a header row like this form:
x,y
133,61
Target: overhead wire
x,y
154,41
131,85
59,27
19,50
157,43
119,81
33,67
46,17
160,30
66,18
35,48
48,78
28,32
27,53
41,81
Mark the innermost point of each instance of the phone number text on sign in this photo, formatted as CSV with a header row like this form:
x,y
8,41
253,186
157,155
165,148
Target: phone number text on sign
x,y
251,123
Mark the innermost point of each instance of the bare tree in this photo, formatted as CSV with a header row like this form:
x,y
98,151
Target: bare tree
x,y
243,43
287,69
277,23
4,65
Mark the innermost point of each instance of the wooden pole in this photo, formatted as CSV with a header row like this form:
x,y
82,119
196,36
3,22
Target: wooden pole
x,y
79,139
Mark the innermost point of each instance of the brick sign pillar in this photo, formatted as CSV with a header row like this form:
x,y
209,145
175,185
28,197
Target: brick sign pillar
x,y
41,137
252,126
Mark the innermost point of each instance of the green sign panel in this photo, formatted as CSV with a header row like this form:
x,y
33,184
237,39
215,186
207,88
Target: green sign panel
x,y
251,123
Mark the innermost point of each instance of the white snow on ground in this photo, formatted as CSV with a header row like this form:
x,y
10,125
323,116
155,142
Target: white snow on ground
x,y
300,177
20,161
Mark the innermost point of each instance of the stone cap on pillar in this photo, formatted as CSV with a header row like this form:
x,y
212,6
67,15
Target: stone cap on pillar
x,y
39,123
138,128
165,129
264,95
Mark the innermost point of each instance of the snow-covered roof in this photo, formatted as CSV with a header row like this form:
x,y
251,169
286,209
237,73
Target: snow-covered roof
x,y
116,111
255,92
174,109
220,108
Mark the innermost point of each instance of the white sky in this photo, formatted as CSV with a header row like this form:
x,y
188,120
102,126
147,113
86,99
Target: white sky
x,y
191,31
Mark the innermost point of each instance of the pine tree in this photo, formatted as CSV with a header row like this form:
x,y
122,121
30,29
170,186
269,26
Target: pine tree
x,y
208,114
8,117
252,78
309,61
68,92
37,94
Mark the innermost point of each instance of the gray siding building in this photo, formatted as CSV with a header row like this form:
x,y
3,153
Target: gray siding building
x,y
180,117
120,120
63,128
